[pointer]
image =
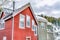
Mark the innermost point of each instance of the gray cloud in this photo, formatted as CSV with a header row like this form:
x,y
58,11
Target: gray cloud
x,y
56,6
48,9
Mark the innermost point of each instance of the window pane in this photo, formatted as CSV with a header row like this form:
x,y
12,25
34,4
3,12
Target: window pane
x,y
42,25
27,21
4,38
1,24
33,22
22,21
33,25
35,29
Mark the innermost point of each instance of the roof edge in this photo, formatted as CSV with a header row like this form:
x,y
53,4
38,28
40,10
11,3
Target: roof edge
x,y
20,9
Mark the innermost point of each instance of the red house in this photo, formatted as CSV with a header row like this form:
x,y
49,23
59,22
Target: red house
x,y
18,24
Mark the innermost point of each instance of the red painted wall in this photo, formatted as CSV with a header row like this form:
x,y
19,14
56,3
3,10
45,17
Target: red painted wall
x,y
7,31
21,34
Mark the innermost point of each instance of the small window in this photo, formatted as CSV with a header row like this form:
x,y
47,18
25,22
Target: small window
x,y
4,38
42,25
33,23
35,32
22,21
2,24
28,38
27,21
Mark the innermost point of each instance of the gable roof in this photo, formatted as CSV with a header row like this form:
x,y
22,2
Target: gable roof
x,y
18,5
18,8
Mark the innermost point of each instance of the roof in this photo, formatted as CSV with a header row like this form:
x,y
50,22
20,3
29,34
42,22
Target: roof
x,y
19,6
41,19
8,8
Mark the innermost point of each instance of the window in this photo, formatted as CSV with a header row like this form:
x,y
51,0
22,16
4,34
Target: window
x,y
22,21
42,25
35,32
50,28
27,21
2,24
28,38
33,25
4,38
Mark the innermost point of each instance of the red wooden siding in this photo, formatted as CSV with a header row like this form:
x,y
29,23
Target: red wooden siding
x,y
7,31
21,34
18,33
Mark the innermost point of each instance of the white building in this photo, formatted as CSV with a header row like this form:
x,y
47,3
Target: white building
x,y
50,35
56,33
42,32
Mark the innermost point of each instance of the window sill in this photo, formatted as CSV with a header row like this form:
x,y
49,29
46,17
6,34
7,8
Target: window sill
x,y
2,28
35,34
33,30
28,26
21,27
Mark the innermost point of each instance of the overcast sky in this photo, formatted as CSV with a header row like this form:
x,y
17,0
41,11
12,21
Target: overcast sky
x,y
46,7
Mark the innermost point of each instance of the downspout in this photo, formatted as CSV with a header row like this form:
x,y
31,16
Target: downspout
x,y
13,21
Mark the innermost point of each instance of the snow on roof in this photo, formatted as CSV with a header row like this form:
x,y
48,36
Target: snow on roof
x,y
41,19
18,4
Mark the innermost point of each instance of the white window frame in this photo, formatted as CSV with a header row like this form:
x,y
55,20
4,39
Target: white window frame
x,y
4,38
28,20
44,25
28,37
23,20
2,22
33,23
35,30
